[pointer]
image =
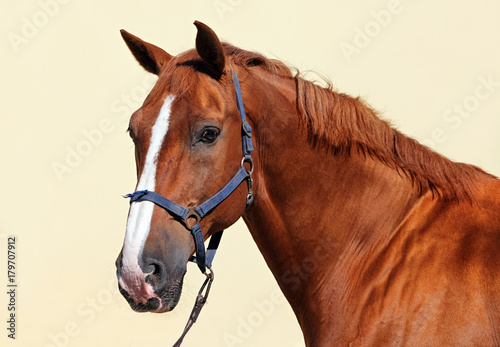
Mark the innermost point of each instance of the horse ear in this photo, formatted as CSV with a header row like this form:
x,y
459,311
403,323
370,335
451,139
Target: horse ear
x,y
151,57
209,48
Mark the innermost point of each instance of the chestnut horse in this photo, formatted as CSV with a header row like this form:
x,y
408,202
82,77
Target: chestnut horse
x,y
373,238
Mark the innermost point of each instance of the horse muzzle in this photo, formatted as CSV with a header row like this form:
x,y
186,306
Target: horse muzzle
x,y
154,290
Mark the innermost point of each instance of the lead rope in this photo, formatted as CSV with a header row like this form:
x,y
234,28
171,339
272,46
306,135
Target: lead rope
x,y
201,299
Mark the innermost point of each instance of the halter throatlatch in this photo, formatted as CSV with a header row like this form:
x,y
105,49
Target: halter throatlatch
x,y
203,258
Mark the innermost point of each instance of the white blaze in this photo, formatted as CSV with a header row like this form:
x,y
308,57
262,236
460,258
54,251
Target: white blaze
x,y
139,220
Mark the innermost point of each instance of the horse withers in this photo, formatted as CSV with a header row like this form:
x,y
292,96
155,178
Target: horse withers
x,y
373,238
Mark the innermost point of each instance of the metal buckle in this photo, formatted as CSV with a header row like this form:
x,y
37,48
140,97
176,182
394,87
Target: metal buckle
x,y
191,214
247,129
250,194
249,177
248,160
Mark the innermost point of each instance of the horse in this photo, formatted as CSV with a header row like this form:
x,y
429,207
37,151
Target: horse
x,y
373,238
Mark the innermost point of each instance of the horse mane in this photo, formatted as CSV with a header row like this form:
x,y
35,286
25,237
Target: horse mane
x,y
340,123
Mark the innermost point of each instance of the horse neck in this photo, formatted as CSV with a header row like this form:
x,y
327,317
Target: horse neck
x,y
312,207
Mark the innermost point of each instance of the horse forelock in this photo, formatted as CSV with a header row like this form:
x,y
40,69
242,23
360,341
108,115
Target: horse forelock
x,y
182,72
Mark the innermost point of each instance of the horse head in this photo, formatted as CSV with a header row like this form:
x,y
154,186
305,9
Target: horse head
x,y
187,138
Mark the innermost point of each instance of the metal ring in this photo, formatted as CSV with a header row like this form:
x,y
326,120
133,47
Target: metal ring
x,y
192,214
249,161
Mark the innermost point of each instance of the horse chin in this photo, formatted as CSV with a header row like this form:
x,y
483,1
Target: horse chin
x,y
166,301
170,298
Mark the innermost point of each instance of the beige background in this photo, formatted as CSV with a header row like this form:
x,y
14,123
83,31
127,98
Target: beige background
x,y
71,74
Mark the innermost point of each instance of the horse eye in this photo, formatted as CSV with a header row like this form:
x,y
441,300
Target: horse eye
x,y
209,135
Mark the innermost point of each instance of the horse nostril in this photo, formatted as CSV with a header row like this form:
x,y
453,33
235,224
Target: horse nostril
x,y
156,274
152,268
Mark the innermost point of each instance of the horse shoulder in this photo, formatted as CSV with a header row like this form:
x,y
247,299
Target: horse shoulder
x,y
436,279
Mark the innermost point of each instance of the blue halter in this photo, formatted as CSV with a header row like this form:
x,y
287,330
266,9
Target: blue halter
x,y
204,258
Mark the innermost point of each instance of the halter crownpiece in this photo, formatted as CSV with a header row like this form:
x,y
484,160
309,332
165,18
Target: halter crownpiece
x,y
204,258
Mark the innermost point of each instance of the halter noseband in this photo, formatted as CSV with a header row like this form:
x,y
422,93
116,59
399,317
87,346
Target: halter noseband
x,y
204,258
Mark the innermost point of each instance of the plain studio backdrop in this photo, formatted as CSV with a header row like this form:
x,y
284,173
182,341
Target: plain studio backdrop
x,y
69,85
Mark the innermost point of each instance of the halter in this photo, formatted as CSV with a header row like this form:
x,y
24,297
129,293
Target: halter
x,y
186,214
